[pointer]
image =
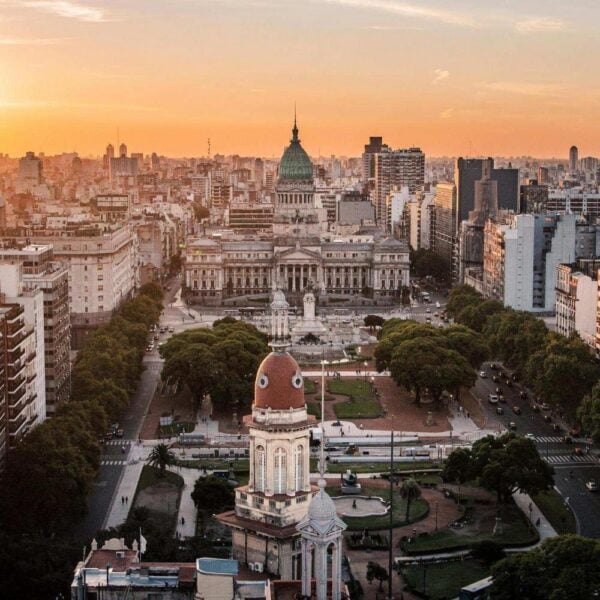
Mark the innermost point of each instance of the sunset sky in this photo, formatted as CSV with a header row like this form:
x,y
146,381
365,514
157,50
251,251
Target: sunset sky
x,y
503,77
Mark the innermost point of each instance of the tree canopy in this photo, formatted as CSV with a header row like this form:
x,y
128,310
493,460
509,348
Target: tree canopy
x,y
212,494
562,567
221,361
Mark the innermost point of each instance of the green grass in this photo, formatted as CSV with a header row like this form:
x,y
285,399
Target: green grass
x,y
516,532
553,507
309,386
151,475
239,464
418,510
444,580
314,408
362,402
174,429
399,467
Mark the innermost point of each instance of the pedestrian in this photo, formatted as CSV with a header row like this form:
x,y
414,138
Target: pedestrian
x,y
122,499
537,523
126,499
182,520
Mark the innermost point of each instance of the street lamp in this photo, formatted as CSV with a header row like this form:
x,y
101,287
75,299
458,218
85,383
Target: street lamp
x,y
365,366
108,567
436,515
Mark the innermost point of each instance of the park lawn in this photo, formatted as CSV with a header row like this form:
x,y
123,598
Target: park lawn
x,y
553,507
517,532
174,429
362,403
444,580
418,510
314,409
239,465
151,476
383,467
309,386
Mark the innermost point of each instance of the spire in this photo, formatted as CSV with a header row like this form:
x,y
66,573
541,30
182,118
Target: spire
x,y
295,128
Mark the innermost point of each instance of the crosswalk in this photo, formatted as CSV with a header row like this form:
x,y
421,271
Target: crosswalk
x,y
568,458
118,442
113,463
549,439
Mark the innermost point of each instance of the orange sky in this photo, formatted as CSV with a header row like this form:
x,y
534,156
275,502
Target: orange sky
x,y
520,78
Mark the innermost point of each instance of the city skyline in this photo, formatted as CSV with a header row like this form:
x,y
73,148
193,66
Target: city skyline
x,y
473,80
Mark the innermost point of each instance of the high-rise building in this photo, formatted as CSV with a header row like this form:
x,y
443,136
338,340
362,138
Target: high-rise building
x,y
374,146
533,197
396,168
521,257
123,150
445,223
543,177
41,271
573,159
470,170
30,170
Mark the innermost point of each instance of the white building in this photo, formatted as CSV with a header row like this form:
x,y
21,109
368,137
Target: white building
x,y
521,257
14,290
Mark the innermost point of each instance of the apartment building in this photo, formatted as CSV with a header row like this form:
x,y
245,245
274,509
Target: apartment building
x,y
41,271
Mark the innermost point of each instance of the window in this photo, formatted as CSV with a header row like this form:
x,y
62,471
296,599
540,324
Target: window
x,y
299,462
259,469
280,473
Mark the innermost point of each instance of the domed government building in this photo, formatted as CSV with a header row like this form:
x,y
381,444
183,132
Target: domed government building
x,y
358,269
282,524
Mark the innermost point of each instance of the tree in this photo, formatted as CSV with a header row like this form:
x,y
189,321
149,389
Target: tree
x,y
562,567
212,494
589,413
409,491
376,572
508,463
161,457
475,315
373,321
468,343
426,263
427,364
562,371
200,212
459,467
487,551
153,291
461,296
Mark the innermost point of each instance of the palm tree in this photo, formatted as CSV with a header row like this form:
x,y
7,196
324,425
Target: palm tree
x,y
409,491
162,457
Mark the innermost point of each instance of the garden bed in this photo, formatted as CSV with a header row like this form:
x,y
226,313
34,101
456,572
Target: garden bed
x,y
362,402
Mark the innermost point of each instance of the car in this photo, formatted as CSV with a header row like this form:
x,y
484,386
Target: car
x,y
156,337
494,366
150,347
435,314
163,329
501,398
530,436
535,407
498,390
523,395
171,330
119,433
578,451
555,427
548,418
545,406
493,399
567,439
446,320
109,435
512,425
499,410
516,410
509,382
428,320
515,377
495,378
482,374
428,311
440,326
591,485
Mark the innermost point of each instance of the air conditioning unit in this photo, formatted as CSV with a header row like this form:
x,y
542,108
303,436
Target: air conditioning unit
x,y
258,567
120,554
251,566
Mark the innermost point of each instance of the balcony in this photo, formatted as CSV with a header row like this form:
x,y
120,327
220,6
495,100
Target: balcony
x,y
17,425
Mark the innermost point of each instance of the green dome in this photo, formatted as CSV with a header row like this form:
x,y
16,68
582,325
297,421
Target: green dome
x,y
295,164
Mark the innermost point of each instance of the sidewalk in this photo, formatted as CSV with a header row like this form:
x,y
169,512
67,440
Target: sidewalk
x,y
545,529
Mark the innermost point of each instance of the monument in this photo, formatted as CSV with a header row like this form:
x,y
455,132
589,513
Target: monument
x,y
308,327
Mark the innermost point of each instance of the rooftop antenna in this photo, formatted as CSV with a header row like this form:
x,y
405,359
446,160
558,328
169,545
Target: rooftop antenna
x,y
208,147
118,137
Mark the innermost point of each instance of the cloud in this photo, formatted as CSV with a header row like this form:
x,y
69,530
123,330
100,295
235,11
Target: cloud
x,y
69,9
446,114
523,88
440,75
539,25
407,10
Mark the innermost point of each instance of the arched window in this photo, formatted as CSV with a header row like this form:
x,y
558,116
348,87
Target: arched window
x,y
299,462
259,469
280,483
